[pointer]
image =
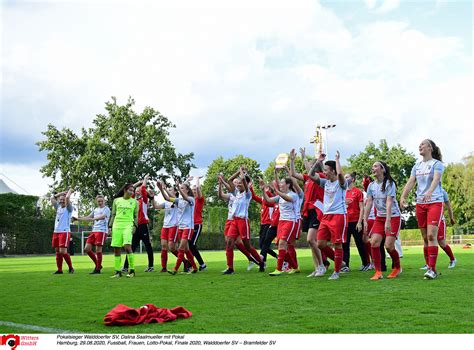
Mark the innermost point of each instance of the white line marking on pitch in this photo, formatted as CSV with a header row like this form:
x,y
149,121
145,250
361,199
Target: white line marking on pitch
x,y
35,328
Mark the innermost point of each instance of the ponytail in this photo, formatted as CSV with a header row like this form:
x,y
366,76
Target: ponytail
x,y
436,152
386,176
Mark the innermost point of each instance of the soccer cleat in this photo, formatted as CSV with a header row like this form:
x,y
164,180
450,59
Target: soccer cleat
x,y
430,275
395,273
364,267
276,273
312,274
71,270
293,271
131,274
172,272
95,272
202,267
285,267
228,272
58,273
345,269
124,270
261,267
250,266
371,267
452,264
192,271
334,276
117,274
426,267
149,269
320,271
163,270
377,276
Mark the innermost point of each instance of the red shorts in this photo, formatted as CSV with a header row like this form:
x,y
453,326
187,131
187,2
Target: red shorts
x,y
61,239
97,238
186,233
286,230
333,227
227,226
442,231
170,233
297,229
429,214
379,227
239,227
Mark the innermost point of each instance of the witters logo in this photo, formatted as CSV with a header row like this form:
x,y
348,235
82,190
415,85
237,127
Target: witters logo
x,y
13,340
10,340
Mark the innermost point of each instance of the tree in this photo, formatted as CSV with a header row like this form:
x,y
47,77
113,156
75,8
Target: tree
x,y
397,158
227,168
122,146
458,181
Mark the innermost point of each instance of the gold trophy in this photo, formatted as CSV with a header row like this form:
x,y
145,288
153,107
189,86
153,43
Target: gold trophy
x,y
281,160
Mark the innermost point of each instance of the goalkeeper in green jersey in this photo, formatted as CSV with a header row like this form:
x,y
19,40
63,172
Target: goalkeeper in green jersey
x,y
123,223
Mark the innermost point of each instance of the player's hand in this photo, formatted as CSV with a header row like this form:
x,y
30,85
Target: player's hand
x,y
427,196
359,226
303,152
321,157
387,227
403,202
366,226
338,155
293,154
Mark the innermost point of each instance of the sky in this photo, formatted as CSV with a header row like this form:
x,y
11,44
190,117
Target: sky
x,y
241,77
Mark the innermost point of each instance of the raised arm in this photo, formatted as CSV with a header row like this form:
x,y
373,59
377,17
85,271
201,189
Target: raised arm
x,y
185,196
406,190
340,174
243,179
164,191
198,188
292,170
222,195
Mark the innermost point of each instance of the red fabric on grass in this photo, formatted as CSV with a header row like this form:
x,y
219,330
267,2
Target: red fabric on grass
x,y
122,315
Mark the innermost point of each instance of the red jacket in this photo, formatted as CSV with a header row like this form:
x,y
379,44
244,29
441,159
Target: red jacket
x,y
265,211
122,315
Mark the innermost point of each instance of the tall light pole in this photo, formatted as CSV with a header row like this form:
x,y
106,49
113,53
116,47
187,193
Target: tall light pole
x,y
317,139
327,127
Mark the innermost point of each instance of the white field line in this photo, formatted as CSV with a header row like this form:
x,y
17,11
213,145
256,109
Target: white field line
x,y
35,328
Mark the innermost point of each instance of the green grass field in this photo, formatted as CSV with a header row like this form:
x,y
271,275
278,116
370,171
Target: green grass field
x,y
247,302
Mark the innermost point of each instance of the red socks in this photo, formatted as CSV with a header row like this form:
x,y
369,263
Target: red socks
x,y
229,253
190,257
281,259
329,252
240,246
432,256
292,253
99,261
93,257
425,253
377,258
255,255
338,255
67,258
59,261
164,258
448,251
180,259
395,258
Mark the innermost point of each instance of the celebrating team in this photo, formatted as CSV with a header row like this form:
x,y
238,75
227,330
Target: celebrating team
x,y
330,208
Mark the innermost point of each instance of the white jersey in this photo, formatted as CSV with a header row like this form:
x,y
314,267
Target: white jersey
x,y
102,224
287,208
240,206
230,203
374,191
298,205
334,196
62,223
424,173
185,213
171,215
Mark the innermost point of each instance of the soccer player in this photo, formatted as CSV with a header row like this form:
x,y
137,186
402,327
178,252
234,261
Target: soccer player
x,y
240,224
333,226
100,216
382,194
312,194
199,204
355,215
230,198
123,223
62,229
185,204
427,173
287,199
169,231
142,233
